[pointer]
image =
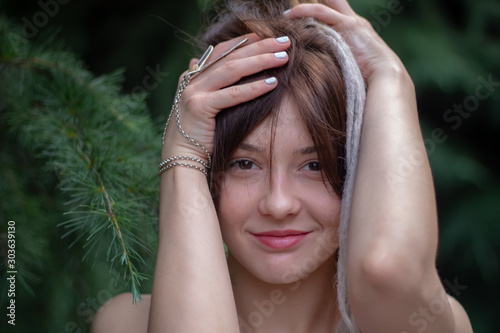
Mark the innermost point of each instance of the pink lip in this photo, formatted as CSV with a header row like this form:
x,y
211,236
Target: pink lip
x,y
281,239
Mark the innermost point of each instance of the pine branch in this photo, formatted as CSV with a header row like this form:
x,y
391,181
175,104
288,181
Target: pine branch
x,y
126,256
102,145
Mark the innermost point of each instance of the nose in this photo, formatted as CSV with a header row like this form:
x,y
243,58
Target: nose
x,y
280,199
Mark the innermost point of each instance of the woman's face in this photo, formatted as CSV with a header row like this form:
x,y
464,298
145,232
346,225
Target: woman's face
x,y
279,224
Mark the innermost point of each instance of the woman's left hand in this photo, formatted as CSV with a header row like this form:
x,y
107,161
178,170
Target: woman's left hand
x,y
372,54
392,241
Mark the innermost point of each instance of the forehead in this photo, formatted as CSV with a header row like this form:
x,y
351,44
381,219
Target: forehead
x,y
287,129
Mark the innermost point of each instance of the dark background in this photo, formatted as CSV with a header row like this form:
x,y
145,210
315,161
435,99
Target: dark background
x,y
449,47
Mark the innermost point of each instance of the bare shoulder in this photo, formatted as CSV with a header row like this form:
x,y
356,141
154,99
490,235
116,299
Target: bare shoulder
x,y
120,314
462,322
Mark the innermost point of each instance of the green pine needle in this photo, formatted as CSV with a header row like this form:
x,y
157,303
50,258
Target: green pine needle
x,y
102,145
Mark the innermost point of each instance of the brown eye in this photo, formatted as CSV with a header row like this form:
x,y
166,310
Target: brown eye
x,y
313,166
245,164
242,164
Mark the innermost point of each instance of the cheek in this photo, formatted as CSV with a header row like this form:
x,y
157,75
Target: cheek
x,y
332,209
330,217
323,205
236,203
334,212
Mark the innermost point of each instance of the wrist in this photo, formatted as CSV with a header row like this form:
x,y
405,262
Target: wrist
x,y
178,161
174,144
395,74
171,150
183,154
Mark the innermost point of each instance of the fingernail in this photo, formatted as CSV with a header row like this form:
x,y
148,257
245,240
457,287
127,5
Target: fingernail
x,y
283,39
280,55
271,80
287,11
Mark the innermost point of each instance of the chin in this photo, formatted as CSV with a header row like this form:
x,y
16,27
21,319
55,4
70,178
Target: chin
x,y
286,268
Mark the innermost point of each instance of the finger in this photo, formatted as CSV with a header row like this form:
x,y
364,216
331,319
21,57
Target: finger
x,y
267,45
319,12
342,6
238,94
256,46
232,71
193,62
219,49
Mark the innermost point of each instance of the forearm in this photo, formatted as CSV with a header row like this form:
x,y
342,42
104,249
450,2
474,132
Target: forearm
x,y
393,215
392,238
192,290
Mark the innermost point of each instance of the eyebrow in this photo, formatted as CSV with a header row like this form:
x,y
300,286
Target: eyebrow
x,y
305,151
253,148
249,147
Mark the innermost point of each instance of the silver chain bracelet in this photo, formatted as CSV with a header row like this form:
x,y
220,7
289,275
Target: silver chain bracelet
x,y
192,72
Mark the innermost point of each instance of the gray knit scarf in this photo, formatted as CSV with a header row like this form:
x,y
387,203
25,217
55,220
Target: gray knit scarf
x,y
355,97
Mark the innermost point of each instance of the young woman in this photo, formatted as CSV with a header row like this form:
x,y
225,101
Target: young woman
x,y
324,232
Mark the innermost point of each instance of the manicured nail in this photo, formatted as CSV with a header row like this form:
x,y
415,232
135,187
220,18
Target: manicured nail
x,y
287,11
271,80
283,39
280,55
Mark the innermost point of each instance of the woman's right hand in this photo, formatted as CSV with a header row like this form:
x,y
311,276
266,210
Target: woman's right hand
x,y
213,90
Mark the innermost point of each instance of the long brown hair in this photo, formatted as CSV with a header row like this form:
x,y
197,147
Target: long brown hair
x,y
311,80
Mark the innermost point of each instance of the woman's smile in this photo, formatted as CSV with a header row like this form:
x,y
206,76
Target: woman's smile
x,y
281,239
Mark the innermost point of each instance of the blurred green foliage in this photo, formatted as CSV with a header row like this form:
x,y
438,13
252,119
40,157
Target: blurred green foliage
x,y
450,48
